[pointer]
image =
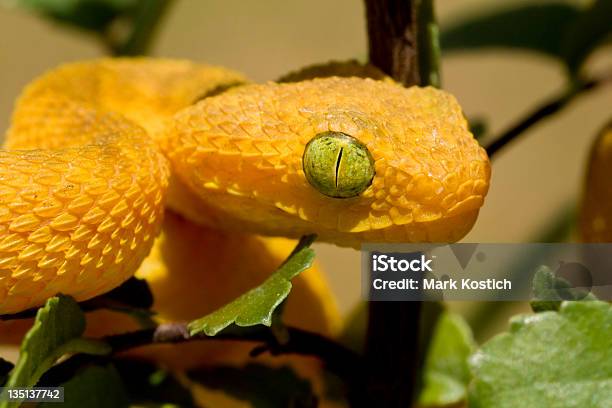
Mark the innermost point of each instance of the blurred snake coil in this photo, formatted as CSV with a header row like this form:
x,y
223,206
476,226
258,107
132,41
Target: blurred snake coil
x,y
97,150
596,206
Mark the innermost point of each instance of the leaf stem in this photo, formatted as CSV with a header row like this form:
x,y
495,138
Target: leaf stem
x,y
428,44
544,111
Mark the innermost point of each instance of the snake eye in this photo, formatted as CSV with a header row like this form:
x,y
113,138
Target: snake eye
x,y
338,165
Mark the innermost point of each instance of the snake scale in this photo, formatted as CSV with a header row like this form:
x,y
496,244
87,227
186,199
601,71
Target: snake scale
x,y
98,149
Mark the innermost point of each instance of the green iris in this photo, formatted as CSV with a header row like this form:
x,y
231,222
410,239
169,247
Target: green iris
x,y
338,165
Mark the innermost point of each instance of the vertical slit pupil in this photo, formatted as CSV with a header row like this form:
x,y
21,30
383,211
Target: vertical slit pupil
x,y
338,164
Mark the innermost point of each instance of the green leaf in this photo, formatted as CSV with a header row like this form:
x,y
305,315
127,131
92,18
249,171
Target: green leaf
x,y
558,228
56,331
591,29
93,387
446,371
262,386
550,290
551,359
257,305
537,27
93,15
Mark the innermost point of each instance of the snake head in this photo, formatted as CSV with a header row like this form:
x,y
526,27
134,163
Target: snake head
x,y
350,159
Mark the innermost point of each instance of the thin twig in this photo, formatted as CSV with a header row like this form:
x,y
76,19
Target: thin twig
x,y
543,112
337,358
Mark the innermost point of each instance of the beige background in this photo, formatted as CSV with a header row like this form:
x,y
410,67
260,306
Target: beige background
x,y
532,179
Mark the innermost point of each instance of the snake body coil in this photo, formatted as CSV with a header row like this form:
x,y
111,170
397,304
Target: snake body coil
x,y
97,149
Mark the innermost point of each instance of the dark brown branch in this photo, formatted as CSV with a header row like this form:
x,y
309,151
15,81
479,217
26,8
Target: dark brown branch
x,y
392,352
336,357
544,111
392,40
397,337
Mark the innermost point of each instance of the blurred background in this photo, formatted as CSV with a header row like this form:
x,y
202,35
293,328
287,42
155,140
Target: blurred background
x,y
533,181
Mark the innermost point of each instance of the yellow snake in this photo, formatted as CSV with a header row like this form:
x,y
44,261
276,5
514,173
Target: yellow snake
x,y
97,149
